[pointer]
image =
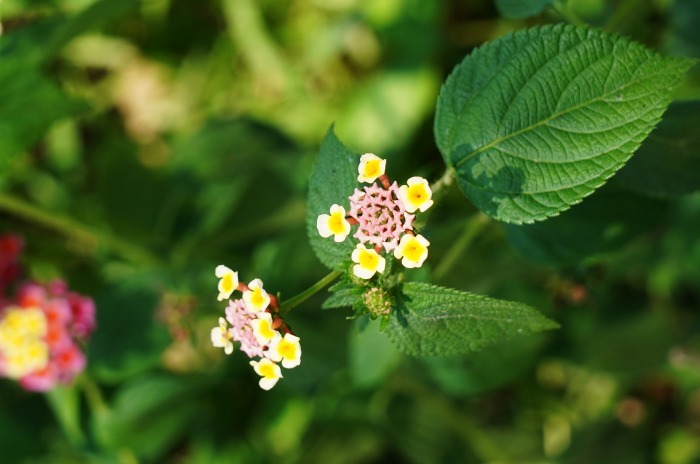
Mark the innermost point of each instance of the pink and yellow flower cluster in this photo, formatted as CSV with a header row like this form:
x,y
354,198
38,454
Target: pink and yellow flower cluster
x,y
384,218
41,335
256,325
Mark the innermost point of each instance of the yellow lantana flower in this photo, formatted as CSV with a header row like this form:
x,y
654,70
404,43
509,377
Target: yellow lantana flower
x,y
370,168
369,262
334,224
262,328
269,371
412,250
416,195
221,338
256,298
228,282
286,349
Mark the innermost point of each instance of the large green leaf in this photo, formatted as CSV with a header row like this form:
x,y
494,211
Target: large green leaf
x,y
668,162
521,8
431,320
332,181
605,222
537,120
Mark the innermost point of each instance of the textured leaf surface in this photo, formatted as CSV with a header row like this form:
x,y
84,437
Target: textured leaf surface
x,y
668,162
521,8
332,181
537,120
605,222
431,320
343,295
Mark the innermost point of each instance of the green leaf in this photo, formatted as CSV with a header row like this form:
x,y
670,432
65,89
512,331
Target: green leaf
x,y
332,181
606,222
344,294
521,8
431,320
149,414
668,162
537,120
29,104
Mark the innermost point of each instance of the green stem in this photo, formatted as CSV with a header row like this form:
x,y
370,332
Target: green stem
x,y
88,239
473,226
443,182
93,394
296,300
65,406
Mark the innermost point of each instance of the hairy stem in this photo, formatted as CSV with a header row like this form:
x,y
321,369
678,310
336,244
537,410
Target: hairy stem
x,y
443,182
86,238
472,227
296,300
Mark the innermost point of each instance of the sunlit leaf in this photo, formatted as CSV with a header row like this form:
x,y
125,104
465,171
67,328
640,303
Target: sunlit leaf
x,y
537,120
333,179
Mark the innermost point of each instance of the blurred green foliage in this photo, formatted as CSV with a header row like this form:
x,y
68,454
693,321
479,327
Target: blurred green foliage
x,y
144,142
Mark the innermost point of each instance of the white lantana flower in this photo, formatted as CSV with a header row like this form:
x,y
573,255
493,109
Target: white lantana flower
x,y
269,371
416,195
221,338
228,281
371,167
262,328
256,298
412,250
369,262
286,349
334,224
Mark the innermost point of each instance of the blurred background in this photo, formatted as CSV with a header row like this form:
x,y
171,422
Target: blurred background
x,y
142,143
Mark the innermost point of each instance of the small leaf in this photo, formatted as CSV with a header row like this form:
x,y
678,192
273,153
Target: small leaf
x,y
537,120
668,162
605,222
517,9
332,181
344,294
431,320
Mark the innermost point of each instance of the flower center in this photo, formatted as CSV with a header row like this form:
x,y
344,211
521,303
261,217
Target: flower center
x,y
368,260
372,168
266,329
227,283
257,298
335,224
268,371
414,250
416,193
286,349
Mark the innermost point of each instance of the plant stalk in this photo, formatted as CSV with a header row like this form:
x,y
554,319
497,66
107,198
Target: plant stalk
x,y
296,300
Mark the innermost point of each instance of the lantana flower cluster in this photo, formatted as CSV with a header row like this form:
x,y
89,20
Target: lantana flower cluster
x,y
257,326
383,214
42,328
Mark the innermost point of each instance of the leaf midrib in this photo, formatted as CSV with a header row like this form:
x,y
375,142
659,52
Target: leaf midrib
x,y
554,116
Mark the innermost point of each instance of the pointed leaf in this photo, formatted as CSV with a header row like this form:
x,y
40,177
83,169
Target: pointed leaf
x,y
431,320
332,181
537,120
668,162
